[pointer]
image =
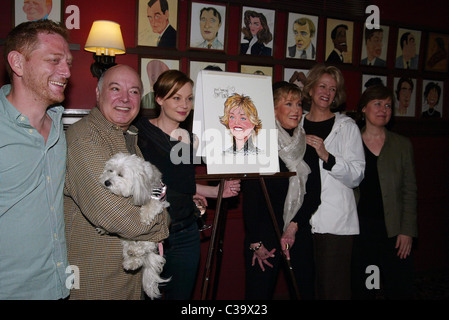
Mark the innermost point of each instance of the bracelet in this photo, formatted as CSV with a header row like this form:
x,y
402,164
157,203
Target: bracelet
x,y
256,248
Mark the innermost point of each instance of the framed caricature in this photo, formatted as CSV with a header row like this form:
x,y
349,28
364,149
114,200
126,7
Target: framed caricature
x,y
258,70
372,80
437,52
150,69
157,23
257,31
207,26
432,99
26,10
339,41
296,76
234,121
375,47
302,31
405,94
407,49
196,66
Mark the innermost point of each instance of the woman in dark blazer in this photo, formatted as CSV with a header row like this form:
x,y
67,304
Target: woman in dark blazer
x,y
387,204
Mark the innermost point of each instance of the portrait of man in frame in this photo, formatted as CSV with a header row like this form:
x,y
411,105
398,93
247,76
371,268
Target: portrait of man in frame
x,y
207,26
339,41
157,23
31,10
301,36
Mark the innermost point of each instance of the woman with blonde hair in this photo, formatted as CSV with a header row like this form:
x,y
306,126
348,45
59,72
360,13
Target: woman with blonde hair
x,y
241,118
334,140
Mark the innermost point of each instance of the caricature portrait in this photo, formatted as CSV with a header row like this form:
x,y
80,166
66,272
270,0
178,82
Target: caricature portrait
x,y
234,121
241,119
257,70
369,80
207,26
339,41
32,10
405,92
301,36
157,23
374,48
150,69
257,32
437,53
407,51
432,99
296,76
196,66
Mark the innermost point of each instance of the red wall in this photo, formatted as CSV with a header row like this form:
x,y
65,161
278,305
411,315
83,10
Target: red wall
x,y
431,151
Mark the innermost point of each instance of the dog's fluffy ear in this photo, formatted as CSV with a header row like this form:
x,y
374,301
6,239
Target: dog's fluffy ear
x,y
147,179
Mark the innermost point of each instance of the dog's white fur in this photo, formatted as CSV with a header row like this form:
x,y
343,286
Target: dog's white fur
x,y
129,175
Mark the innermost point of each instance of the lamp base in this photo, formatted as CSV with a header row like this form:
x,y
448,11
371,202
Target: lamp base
x,y
101,64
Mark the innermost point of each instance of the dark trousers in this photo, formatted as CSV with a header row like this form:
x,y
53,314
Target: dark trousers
x,y
374,248
333,266
260,284
182,254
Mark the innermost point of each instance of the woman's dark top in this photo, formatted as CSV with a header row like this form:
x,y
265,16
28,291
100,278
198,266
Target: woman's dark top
x,y
258,223
156,148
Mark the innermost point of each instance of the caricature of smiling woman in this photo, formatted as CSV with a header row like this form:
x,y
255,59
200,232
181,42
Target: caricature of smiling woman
x,y
240,117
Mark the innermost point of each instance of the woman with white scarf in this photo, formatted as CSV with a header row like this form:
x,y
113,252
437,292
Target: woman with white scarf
x,y
292,208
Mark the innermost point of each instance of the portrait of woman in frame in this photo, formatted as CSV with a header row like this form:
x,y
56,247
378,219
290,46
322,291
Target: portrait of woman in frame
x,y
257,31
157,23
207,26
30,10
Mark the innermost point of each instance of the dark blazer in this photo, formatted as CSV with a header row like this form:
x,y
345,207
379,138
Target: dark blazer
x,y
377,63
258,49
396,169
168,39
292,52
334,57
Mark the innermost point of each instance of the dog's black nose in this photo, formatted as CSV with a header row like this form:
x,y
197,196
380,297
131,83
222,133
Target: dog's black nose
x,y
107,183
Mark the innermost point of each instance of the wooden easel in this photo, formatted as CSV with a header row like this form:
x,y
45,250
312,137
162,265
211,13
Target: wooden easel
x,y
215,246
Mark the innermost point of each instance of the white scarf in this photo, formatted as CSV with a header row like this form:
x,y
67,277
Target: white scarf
x,y
291,150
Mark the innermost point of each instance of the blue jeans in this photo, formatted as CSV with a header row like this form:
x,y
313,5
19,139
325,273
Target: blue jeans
x,y
182,254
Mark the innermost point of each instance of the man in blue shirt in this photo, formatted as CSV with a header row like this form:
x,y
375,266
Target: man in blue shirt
x,y
33,253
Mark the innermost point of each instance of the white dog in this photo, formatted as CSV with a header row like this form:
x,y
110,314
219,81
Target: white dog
x,y
129,175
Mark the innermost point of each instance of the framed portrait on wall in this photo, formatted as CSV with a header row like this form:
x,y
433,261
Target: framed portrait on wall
x,y
437,52
157,23
407,49
196,66
296,76
207,26
257,31
339,41
375,47
405,94
302,31
27,10
432,99
150,69
258,70
372,80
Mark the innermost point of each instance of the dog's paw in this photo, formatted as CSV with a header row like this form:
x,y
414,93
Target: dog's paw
x,y
150,210
132,263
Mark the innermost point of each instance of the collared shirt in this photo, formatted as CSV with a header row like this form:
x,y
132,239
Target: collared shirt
x,y
308,53
33,254
216,44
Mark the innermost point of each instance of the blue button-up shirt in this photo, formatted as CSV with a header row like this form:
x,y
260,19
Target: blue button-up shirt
x,y
33,253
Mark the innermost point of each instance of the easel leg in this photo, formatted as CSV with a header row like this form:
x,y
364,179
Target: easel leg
x,y
278,233
211,252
